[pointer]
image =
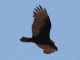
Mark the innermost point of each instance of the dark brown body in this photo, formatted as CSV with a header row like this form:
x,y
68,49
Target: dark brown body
x,y
41,31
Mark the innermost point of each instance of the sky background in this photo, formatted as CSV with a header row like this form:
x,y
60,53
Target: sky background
x,y
16,17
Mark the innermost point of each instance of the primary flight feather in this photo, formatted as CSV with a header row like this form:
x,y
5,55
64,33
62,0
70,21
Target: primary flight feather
x,y
41,31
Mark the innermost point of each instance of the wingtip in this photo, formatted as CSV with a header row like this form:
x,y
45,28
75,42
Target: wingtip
x,y
34,13
39,5
39,10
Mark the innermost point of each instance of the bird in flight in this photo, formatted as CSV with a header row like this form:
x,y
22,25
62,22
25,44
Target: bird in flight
x,y
41,31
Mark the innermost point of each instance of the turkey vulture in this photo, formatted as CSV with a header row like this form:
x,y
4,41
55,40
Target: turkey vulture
x,y
41,31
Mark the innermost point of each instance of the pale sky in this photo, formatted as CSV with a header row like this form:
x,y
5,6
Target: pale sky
x,y
16,17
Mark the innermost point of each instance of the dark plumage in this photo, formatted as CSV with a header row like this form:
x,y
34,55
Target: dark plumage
x,y
41,31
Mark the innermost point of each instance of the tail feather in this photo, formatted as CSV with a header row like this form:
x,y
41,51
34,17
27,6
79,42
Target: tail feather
x,y
25,39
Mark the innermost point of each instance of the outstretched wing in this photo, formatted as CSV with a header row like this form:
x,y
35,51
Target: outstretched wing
x,y
41,23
